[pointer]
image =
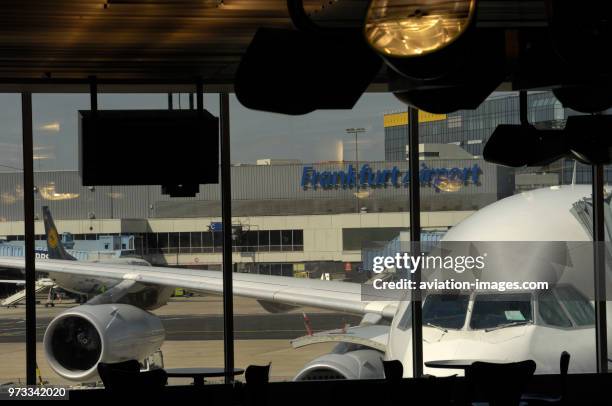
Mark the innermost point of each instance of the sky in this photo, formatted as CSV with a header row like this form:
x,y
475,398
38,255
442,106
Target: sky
x,y
315,137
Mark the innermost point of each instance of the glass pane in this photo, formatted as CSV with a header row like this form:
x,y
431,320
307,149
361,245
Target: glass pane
x,y
264,240
251,240
446,311
286,240
196,242
12,348
218,240
162,242
275,240
173,239
151,242
494,310
117,225
550,310
578,306
298,237
465,198
207,239
276,269
294,182
286,237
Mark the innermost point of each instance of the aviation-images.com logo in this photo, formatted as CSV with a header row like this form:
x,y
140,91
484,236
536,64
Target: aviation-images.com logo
x,y
411,263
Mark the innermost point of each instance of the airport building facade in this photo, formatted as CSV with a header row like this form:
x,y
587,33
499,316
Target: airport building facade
x,y
470,130
288,219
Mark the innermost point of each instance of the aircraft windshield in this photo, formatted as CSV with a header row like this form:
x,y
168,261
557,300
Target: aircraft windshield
x,y
496,310
583,211
445,310
578,307
550,311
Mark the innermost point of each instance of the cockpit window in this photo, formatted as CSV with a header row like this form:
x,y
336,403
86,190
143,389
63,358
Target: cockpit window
x,y
550,310
497,310
445,310
578,307
406,321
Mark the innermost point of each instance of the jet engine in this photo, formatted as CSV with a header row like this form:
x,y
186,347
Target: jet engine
x,y
79,338
346,361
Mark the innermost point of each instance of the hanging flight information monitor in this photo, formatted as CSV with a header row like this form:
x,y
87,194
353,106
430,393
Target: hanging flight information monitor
x,y
177,149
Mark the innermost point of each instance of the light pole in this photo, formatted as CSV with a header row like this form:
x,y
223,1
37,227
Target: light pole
x,y
356,132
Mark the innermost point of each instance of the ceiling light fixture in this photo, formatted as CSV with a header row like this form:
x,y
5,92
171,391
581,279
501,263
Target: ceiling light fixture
x,y
406,28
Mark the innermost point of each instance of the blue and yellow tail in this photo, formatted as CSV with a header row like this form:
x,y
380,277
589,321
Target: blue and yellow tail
x,y
55,247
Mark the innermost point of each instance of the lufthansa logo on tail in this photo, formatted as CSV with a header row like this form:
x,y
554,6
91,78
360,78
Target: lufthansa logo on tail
x,y
52,239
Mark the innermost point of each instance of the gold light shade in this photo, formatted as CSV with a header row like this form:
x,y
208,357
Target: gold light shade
x,y
404,28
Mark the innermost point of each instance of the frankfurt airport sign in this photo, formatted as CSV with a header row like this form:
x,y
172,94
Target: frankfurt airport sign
x,y
441,179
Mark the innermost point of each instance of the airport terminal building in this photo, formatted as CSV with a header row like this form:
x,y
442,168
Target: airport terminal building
x,y
288,218
469,130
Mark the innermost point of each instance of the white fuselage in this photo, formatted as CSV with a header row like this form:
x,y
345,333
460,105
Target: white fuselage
x,y
539,215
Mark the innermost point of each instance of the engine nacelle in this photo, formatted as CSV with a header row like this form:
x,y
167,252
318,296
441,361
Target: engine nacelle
x,y
344,363
79,338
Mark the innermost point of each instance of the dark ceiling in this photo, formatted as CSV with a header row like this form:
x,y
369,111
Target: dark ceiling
x,y
163,42
152,40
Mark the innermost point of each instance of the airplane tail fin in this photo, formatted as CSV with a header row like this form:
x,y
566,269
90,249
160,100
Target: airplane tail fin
x,y
55,247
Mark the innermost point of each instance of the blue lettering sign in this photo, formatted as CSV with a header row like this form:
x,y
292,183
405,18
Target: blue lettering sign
x,y
441,179
216,226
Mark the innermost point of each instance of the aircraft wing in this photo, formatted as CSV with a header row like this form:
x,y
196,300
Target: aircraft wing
x,y
12,282
333,295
